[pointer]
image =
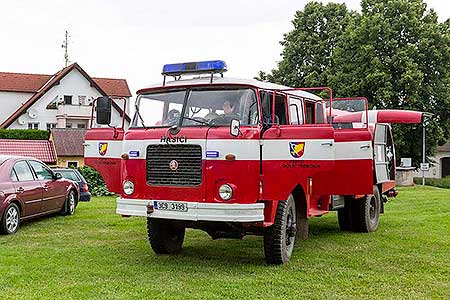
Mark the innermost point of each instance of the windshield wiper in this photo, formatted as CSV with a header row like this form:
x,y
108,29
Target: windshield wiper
x,y
207,123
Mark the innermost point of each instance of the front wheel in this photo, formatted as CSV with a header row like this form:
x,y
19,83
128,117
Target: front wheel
x,y
279,238
165,236
10,220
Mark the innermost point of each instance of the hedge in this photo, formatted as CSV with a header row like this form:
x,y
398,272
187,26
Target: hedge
x,y
437,182
21,134
95,181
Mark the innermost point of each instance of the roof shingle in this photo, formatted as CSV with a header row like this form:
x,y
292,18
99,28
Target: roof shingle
x,y
20,82
42,150
69,142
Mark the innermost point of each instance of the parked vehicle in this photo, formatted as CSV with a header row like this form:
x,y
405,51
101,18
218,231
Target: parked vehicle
x,y
234,157
75,175
29,189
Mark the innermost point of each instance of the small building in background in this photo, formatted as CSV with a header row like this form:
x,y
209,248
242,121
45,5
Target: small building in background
x,y
69,146
62,100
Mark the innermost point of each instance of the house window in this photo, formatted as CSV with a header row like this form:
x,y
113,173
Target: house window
x,y
81,126
72,164
82,100
68,125
51,126
33,125
67,99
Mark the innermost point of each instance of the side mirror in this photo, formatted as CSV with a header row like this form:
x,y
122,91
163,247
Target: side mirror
x,y
235,127
57,176
104,110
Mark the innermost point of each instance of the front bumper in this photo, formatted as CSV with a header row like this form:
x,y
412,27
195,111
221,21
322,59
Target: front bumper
x,y
197,211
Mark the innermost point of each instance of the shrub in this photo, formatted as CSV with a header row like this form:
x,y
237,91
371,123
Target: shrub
x,y
437,182
95,182
24,134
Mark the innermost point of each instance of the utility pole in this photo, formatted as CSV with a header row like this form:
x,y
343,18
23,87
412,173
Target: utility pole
x,y
65,45
423,151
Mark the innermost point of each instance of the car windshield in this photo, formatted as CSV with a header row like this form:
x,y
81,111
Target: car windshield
x,y
68,175
202,107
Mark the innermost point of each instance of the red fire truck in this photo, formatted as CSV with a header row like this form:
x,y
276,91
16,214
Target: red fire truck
x,y
234,157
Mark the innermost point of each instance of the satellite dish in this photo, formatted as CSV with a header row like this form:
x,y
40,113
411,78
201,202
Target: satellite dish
x,y
21,120
32,113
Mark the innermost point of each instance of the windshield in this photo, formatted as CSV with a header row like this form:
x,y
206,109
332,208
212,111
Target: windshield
x,y
202,107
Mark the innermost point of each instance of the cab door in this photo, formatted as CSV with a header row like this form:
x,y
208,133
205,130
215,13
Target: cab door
x,y
294,152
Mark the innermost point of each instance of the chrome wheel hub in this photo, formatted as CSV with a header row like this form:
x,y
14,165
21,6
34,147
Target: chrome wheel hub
x,y
12,219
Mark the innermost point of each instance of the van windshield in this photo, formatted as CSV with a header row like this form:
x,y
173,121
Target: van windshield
x,y
199,107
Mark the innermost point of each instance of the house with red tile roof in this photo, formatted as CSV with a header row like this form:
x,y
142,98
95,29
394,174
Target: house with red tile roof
x,y
61,100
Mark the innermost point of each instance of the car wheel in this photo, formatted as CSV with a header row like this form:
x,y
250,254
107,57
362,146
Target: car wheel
x,y
10,219
70,204
279,239
165,236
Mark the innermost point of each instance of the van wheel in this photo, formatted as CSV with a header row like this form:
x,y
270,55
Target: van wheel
x,y
10,220
279,239
366,212
165,236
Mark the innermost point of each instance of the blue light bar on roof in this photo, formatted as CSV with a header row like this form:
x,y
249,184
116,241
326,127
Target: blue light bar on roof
x,y
210,67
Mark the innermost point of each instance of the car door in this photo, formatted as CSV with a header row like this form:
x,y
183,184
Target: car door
x,y
28,190
54,192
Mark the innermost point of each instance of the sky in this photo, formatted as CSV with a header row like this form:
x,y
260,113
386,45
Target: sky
x,y
133,39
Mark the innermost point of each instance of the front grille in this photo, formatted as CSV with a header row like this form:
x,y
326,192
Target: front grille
x,y
188,158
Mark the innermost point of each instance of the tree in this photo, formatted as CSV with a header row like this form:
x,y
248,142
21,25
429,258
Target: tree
x,y
395,53
309,47
398,56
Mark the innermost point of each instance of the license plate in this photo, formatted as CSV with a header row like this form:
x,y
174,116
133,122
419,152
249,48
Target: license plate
x,y
172,206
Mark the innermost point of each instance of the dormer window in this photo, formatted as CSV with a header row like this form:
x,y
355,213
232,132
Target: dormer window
x,y
68,99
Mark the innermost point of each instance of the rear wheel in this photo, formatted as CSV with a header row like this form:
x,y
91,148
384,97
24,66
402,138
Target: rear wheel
x,y
279,238
366,212
165,236
10,220
345,215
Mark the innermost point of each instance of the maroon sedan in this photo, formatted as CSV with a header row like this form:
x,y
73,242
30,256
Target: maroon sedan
x,y
28,189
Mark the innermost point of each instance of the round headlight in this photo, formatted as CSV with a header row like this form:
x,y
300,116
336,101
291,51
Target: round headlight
x,y
128,187
225,192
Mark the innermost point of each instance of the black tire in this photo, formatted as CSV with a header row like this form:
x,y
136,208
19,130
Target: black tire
x,y
70,204
345,215
165,236
366,212
279,239
10,220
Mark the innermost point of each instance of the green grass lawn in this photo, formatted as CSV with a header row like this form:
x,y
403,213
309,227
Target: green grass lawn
x,y
96,254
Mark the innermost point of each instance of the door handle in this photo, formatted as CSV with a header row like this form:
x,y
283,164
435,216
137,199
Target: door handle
x,y
327,144
365,147
45,187
20,190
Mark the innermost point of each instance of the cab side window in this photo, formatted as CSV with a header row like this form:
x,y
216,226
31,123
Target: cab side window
x,y
22,171
310,112
320,113
295,111
41,171
280,108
